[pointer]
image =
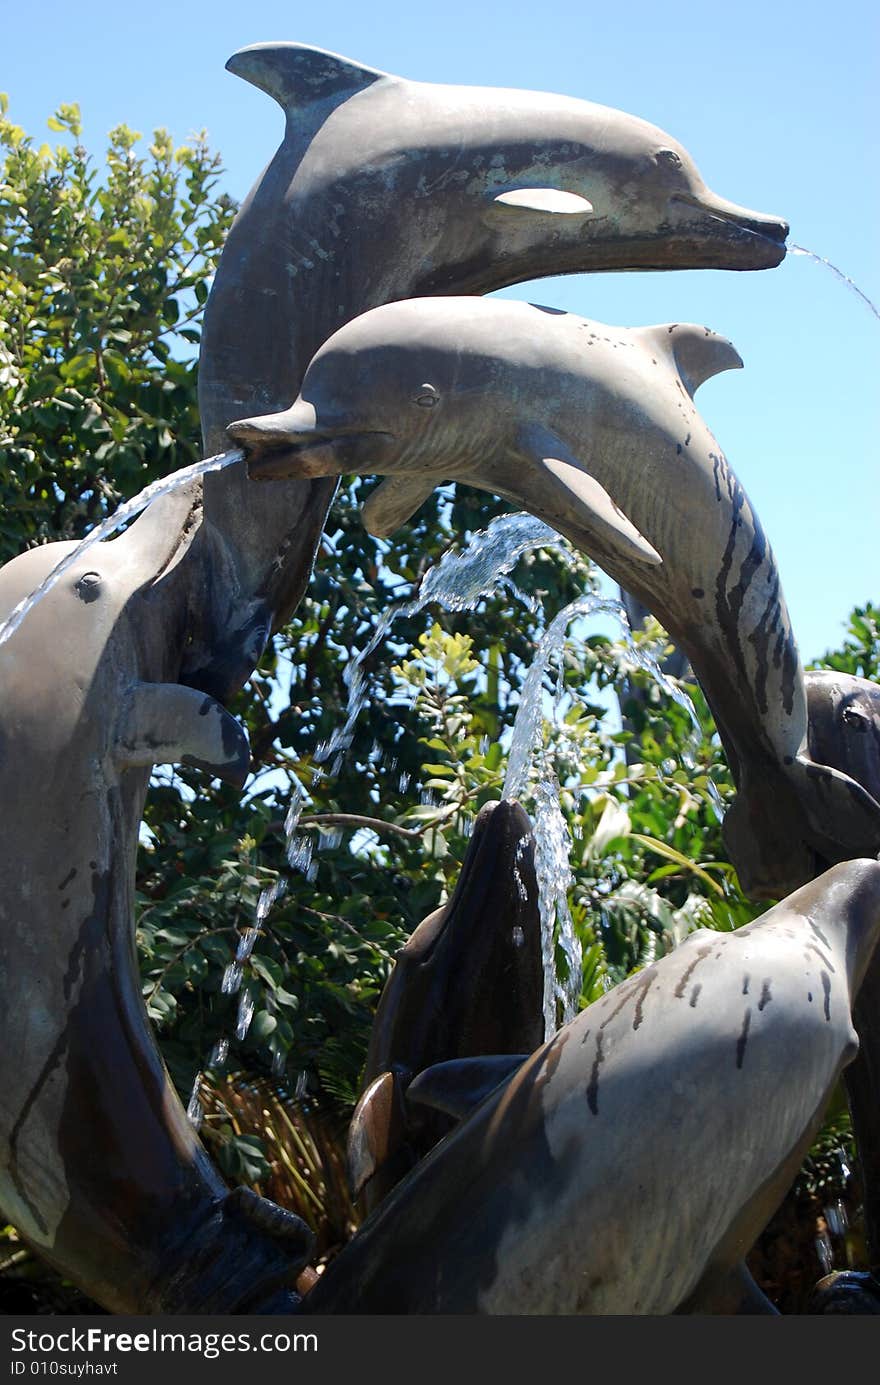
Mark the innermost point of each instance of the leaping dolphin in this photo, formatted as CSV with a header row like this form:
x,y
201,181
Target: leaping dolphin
x,y
666,1090
385,188
469,981
593,428
100,1170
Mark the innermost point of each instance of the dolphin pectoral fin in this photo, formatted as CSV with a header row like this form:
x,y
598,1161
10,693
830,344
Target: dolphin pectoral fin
x,y
166,723
458,1086
393,502
377,1130
591,506
837,807
571,499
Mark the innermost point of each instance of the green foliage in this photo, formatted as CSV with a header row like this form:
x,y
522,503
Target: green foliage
x,y
102,280
860,652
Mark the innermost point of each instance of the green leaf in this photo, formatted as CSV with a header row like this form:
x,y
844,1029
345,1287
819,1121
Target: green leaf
x,y
663,849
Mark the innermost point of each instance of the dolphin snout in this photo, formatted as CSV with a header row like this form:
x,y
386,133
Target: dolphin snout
x,y
293,446
762,237
282,446
274,430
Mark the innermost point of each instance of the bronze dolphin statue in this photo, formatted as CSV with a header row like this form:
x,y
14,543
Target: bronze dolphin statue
x,y
212,569
385,188
100,1171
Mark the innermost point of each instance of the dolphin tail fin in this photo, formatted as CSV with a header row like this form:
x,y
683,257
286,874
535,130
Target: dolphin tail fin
x,y
296,75
697,353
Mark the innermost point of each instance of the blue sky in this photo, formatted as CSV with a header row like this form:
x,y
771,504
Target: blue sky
x,y
777,104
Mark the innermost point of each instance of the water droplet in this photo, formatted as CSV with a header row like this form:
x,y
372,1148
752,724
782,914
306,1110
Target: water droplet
x,y
246,1008
232,978
195,1111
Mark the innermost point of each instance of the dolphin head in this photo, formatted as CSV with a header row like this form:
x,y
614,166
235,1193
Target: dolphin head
x,y
596,190
462,189
385,394
844,725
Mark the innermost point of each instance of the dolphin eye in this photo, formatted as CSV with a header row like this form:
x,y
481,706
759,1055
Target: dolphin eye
x,y
427,396
88,587
669,158
855,719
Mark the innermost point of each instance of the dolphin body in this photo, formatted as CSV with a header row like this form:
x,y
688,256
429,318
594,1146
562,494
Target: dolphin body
x,y
667,1090
383,189
594,429
96,1154
469,981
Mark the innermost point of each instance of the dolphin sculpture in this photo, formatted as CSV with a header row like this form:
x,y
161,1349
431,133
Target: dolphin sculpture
x,y
385,188
511,1213
100,1170
594,429
469,981
197,585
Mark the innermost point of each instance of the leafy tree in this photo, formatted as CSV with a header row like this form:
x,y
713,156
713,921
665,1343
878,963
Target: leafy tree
x,y
103,274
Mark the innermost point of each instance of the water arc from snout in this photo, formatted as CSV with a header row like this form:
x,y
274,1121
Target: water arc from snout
x,y
838,274
792,249
109,526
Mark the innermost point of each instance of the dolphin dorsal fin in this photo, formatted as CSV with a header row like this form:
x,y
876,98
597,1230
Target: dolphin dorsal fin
x,y
698,352
458,1086
297,75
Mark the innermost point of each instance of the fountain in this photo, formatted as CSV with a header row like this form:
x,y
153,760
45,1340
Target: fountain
x,y
116,656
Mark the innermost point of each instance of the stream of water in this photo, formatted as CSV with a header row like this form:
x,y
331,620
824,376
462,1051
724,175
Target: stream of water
x,y
838,273
457,582
552,844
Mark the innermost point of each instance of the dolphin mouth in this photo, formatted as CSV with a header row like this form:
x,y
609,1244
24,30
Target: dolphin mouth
x,y
317,452
773,231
